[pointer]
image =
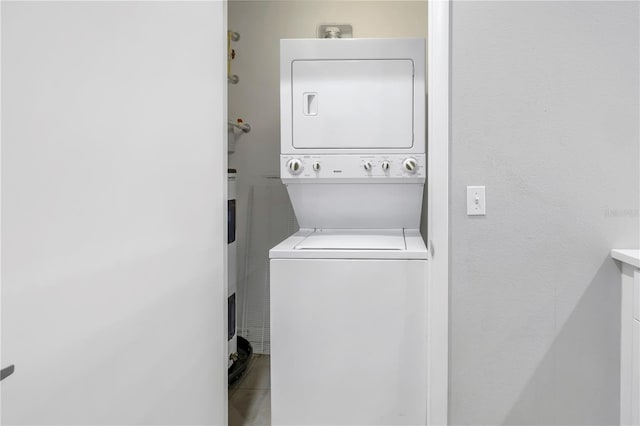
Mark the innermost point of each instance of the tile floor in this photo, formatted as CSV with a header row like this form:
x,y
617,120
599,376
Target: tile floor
x,y
250,396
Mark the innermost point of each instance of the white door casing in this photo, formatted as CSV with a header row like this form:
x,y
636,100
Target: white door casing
x,y
438,110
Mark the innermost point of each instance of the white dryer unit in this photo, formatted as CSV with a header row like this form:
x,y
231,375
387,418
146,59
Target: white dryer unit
x,y
340,96
349,290
353,125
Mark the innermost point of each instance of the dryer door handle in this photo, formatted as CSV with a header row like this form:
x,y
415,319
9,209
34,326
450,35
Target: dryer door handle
x,y
310,103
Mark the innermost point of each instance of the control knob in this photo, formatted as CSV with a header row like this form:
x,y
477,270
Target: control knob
x,y
367,166
316,166
410,165
385,166
295,166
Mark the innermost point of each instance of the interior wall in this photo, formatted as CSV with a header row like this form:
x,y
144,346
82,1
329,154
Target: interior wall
x,y
545,114
264,213
114,213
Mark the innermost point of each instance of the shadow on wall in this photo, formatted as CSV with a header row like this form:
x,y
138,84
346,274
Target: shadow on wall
x,y
576,365
270,219
425,193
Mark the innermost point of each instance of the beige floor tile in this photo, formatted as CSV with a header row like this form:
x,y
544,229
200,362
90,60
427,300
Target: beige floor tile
x,y
248,405
250,396
263,415
259,375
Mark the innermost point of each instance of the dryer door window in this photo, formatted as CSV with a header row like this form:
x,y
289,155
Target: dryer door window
x,y
352,104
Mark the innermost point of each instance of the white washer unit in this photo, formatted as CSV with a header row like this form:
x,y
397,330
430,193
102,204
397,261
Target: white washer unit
x,y
349,289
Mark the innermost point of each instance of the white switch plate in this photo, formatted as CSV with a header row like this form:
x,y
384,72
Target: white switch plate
x,y
476,201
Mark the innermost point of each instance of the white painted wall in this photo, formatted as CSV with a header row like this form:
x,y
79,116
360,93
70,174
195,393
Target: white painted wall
x,y
261,25
545,114
114,212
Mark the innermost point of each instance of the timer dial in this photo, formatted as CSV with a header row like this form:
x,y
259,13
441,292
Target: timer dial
x,y
295,166
410,165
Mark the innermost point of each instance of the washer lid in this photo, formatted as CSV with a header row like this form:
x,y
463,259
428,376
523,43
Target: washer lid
x,y
354,239
388,244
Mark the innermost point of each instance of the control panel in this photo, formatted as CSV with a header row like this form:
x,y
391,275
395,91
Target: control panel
x,y
383,167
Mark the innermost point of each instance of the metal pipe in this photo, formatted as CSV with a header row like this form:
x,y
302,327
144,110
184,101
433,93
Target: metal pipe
x,y
242,126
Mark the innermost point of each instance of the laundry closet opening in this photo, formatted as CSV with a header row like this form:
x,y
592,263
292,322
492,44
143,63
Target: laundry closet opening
x,y
261,214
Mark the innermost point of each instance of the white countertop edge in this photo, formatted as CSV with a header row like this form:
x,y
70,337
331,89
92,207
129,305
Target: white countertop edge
x,y
628,256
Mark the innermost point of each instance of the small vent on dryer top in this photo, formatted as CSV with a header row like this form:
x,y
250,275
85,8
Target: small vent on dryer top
x,y
335,31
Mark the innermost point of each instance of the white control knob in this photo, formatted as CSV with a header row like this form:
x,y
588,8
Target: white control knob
x,y
410,165
295,166
367,166
385,166
316,166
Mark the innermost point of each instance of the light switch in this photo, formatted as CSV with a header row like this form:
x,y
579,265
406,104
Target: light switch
x,y
476,201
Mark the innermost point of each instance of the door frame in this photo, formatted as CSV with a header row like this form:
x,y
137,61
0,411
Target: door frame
x,y
438,204
438,133
2,361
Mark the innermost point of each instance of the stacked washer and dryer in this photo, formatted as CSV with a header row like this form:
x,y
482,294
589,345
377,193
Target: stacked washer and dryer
x,y
349,289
